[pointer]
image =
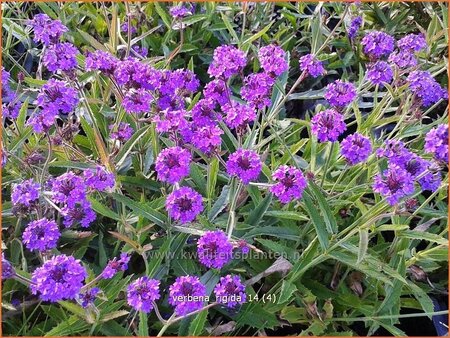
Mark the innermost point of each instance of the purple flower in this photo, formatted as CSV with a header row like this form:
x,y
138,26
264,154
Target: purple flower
x,y
57,95
114,266
203,113
68,189
10,103
412,42
41,235
134,74
87,298
227,61
124,27
328,125
81,213
217,91
59,278
137,101
172,164
380,72
431,181
289,185
403,59
419,169
436,142
99,179
257,89
377,44
142,293
205,138
311,65
25,193
140,51
187,294
394,184
425,87
184,204
171,121
102,61
273,60
245,164
340,94
238,116
43,120
355,25
179,12
7,268
356,148
230,291
46,30
60,56
186,82
122,133
395,151
214,249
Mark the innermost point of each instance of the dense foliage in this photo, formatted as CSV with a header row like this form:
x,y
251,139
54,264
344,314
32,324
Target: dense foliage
x,y
223,168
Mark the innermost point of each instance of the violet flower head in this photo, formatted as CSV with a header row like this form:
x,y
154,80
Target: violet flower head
x,y
137,101
238,116
80,213
412,42
214,249
379,73
140,51
206,138
257,90
340,94
328,125
41,235
124,27
184,204
132,73
186,82
57,95
356,148
68,189
122,133
99,179
395,151
436,142
43,119
289,185
377,44
230,291
59,278
25,193
88,297
171,121
355,25
142,293
403,59
420,169
425,87
172,164
273,60
60,57
8,270
311,65
245,164
115,265
217,91
46,30
394,184
179,12
227,61
103,61
203,113
187,294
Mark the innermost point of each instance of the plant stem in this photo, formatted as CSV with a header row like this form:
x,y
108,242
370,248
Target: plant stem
x,y
327,164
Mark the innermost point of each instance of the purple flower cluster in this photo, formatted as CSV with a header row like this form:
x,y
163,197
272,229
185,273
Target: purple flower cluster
x,y
377,44
142,293
238,116
290,183
172,164
311,65
394,184
123,132
61,56
245,164
137,101
25,194
425,88
115,265
59,278
80,213
184,204
217,91
395,151
227,61
403,59
206,138
214,249
340,94
41,235
187,294
7,268
10,102
87,298
230,291
356,148
98,179
436,142
355,25
380,72
179,12
102,61
328,125
412,42
257,89
46,30
273,60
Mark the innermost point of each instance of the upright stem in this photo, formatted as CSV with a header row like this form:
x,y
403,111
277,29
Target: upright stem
x,y
234,191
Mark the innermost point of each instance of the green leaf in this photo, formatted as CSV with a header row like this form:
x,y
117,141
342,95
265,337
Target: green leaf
x,y
198,324
258,213
319,225
363,244
287,291
128,146
330,221
103,209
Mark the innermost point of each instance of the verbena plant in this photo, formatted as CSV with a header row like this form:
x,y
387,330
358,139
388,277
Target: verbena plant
x,y
223,168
